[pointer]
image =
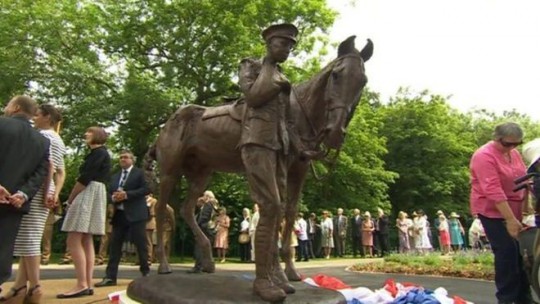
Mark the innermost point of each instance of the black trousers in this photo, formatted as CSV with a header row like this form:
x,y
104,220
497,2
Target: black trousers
x,y
357,246
383,244
303,250
123,230
311,242
9,227
245,252
510,277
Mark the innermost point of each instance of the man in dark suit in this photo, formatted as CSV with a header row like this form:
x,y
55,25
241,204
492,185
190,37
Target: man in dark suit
x,y
206,209
382,224
24,166
356,233
128,190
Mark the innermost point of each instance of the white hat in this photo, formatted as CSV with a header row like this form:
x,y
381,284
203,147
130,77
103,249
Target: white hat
x,y
531,152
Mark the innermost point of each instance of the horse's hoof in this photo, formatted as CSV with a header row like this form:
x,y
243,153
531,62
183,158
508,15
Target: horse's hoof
x,y
279,278
293,275
164,269
269,292
209,268
288,288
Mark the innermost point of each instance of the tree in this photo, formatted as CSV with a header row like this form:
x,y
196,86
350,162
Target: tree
x,y
429,146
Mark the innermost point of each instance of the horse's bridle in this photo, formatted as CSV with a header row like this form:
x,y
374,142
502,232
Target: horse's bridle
x,y
331,105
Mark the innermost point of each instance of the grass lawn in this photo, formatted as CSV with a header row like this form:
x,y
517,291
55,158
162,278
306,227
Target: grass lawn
x,y
470,264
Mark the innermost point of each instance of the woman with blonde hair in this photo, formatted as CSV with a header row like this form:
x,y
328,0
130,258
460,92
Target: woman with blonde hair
x,y
444,234
367,233
403,232
243,238
327,240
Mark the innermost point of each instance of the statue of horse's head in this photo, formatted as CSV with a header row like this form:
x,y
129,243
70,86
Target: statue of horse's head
x,y
344,89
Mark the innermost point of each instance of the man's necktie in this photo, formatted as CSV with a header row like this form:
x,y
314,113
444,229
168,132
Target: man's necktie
x,y
123,179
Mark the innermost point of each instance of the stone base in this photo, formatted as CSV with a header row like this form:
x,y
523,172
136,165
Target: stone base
x,y
227,287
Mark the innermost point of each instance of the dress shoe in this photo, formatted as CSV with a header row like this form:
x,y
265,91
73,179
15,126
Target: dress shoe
x,y
82,293
105,282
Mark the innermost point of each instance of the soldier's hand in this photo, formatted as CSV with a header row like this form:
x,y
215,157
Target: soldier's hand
x,y
285,85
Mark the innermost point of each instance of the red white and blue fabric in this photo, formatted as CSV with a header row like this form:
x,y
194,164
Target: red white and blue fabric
x,y
391,293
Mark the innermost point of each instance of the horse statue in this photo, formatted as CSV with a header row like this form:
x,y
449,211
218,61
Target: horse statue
x,y
197,141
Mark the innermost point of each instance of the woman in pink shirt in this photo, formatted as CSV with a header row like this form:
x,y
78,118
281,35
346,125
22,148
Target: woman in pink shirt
x,y
494,166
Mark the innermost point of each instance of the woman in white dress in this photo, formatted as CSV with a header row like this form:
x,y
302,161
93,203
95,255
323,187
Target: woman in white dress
x,y
327,241
85,216
28,242
422,243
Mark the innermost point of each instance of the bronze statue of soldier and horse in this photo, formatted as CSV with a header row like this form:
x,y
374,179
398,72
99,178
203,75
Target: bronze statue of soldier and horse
x,y
197,141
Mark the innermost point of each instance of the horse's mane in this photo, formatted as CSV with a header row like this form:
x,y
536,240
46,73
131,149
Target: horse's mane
x,y
314,86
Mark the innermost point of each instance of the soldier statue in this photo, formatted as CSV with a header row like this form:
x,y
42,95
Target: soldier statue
x,y
266,148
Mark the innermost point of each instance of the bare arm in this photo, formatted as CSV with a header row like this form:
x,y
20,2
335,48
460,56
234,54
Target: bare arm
x,y
59,180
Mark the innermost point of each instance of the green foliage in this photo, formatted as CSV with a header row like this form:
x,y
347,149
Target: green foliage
x,y
359,178
429,147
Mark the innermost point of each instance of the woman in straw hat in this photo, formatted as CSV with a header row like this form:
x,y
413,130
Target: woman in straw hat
x,y
422,244
444,234
456,232
493,168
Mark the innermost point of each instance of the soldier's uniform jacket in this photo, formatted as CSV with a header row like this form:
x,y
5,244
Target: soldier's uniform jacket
x,y
266,118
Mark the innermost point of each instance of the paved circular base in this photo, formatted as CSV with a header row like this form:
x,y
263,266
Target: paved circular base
x,y
225,287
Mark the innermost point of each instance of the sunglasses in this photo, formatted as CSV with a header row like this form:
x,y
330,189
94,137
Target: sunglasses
x,y
510,144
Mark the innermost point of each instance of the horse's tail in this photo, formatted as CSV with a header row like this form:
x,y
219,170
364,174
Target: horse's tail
x,y
148,167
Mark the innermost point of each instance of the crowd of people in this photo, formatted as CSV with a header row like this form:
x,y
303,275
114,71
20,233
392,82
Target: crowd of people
x,y
30,196
29,201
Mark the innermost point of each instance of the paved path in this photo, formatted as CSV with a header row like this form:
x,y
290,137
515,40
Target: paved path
x,y
59,278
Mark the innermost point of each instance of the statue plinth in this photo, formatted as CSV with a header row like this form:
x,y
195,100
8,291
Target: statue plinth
x,y
227,287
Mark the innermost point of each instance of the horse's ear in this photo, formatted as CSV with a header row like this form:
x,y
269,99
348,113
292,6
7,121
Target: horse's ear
x,y
367,51
346,47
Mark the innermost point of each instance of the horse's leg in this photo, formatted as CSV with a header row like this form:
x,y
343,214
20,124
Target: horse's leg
x,y
295,182
197,181
167,184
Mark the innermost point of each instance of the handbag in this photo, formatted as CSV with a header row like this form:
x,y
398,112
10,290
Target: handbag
x,y
243,238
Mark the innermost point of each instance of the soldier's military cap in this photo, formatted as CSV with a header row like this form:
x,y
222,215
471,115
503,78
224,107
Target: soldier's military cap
x,y
284,30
